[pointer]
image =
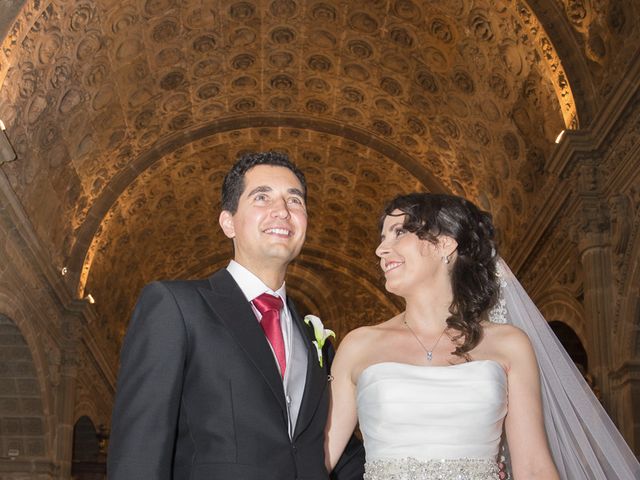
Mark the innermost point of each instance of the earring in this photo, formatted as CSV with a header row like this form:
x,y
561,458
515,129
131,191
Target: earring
x,y
445,259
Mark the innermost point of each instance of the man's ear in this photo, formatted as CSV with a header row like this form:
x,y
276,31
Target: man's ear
x,y
226,223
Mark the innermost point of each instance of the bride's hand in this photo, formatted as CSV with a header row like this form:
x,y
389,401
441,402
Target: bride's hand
x,y
342,417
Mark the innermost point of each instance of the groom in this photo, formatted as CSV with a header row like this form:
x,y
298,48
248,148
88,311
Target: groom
x,y
219,378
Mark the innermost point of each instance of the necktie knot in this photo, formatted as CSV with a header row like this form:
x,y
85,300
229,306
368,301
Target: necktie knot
x,y
267,303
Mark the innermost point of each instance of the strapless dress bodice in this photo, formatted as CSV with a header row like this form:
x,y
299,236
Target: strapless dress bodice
x,y
424,422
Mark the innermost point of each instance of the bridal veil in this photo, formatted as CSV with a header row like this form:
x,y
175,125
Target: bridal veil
x,y
583,440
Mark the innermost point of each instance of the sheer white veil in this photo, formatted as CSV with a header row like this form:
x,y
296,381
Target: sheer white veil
x,y
584,441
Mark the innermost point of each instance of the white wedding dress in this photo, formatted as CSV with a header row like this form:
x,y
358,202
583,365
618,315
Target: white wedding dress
x,y
445,423
429,422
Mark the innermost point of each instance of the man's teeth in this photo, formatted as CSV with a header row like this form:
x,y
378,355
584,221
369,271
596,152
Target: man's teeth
x,y
278,231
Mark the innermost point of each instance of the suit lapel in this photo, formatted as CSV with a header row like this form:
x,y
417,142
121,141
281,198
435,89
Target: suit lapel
x,y
316,380
230,305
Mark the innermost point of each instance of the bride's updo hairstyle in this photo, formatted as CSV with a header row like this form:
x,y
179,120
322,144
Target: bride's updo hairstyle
x,y
473,272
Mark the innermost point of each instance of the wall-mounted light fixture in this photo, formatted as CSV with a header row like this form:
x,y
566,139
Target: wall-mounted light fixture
x,y
89,298
7,153
103,438
560,135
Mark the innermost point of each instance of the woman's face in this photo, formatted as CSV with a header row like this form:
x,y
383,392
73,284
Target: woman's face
x,y
409,263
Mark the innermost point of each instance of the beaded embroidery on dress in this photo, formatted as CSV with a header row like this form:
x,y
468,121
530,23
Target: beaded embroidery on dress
x,y
412,469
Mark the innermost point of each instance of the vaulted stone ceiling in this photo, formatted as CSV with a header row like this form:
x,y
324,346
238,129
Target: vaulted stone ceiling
x,y
125,116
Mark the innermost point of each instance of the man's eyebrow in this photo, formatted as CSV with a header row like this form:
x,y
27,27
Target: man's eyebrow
x,y
261,188
296,191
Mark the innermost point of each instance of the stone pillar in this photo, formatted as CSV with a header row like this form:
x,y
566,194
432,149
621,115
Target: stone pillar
x,y
594,244
626,386
66,396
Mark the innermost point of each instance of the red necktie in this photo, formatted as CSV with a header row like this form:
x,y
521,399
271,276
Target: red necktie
x,y
270,306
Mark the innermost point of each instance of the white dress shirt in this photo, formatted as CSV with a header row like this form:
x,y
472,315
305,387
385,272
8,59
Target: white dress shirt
x,y
253,287
294,346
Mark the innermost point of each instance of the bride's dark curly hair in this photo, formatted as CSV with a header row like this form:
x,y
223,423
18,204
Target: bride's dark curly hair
x,y
473,273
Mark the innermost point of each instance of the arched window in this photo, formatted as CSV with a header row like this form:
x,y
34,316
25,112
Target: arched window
x,y
571,343
22,422
87,461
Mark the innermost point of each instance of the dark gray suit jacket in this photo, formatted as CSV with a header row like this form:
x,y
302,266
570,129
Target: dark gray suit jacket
x,y
199,395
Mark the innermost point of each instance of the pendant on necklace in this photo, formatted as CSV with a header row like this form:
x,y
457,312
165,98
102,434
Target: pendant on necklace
x,y
429,355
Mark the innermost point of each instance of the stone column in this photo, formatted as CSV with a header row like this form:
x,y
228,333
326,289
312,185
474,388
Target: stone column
x,y
626,385
594,244
66,395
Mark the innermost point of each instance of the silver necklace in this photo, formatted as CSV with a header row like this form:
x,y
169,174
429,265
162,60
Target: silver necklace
x,y
428,350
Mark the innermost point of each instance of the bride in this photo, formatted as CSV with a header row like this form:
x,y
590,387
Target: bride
x,y
435,387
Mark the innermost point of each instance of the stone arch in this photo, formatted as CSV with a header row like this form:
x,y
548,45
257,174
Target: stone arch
x,y
86,408
87,457
313,294
23,423
549,13
560,305
85,441
81,257
45,356
572,344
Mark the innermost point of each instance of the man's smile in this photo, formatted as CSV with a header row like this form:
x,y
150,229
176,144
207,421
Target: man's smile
x,y
284,232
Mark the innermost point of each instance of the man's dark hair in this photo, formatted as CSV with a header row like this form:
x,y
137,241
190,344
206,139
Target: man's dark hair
x,y
233,184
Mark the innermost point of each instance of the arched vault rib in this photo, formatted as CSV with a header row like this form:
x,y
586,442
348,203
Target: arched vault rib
x,y
535,30
312,256
574,63
80,260
321,279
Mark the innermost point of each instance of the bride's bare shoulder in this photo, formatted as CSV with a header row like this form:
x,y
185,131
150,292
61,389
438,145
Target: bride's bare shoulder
x,y
502,332
508,341
360,347
370,334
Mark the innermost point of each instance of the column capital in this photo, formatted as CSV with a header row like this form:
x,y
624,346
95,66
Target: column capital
x,y
592,226
589,178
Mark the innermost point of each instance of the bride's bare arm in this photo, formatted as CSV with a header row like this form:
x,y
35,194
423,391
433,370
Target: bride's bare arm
x,y
342,408
524,424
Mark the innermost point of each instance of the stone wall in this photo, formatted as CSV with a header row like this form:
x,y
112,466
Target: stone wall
x,y
48,374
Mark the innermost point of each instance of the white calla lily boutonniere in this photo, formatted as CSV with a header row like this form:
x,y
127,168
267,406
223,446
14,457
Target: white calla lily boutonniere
x,y
320,333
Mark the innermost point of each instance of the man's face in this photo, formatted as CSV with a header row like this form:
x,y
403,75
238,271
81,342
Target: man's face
x,y
270,224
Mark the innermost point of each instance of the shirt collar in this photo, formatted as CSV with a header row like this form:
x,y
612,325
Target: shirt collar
x,y
251,285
